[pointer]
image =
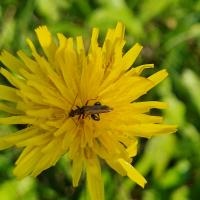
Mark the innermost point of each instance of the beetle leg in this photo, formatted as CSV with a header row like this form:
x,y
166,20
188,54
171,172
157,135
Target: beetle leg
x,y
98,116
83,116
95,117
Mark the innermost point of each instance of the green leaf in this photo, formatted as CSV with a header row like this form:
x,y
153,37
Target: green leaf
x,y
176,175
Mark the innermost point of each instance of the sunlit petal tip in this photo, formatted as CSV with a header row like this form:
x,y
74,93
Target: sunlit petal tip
x,y
43,35
119,24
158,76
173,128
30,44
138,46
132,173
164,105
120,28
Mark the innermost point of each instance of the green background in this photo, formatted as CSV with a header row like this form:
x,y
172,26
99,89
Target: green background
x,y
169,30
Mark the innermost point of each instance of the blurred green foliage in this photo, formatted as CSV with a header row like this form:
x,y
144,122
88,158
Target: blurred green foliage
x,y
170,33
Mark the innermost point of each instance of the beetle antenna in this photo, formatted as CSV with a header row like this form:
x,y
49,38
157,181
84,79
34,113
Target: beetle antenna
x,y
90,100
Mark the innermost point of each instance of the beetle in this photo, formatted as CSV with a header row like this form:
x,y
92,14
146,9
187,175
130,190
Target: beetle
x,y
93,111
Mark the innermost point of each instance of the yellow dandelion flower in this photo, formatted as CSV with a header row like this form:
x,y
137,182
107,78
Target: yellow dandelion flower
x,y
80,103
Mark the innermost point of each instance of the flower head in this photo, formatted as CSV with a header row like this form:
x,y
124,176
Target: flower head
x,y
80,103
